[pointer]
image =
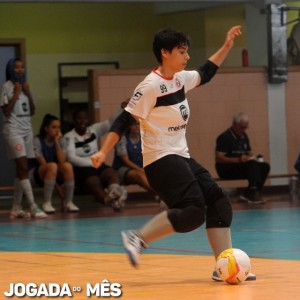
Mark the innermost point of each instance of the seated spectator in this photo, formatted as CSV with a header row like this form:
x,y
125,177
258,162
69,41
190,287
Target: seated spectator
x,y
83,141
51,168
128,159
235,159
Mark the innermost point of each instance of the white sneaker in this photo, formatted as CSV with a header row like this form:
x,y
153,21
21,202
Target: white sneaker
x,y
19,214
119,203
48,208
116,197
216,277
37,213
134,246
71,207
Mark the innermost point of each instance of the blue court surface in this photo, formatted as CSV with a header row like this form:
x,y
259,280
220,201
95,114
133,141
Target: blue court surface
x,y
262,233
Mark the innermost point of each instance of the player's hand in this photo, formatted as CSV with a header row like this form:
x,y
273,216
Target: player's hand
x,y
25,87
233,32
17,88
58,135
98,159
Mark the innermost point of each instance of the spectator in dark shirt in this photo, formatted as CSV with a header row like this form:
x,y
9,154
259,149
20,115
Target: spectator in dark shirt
x,y
235,159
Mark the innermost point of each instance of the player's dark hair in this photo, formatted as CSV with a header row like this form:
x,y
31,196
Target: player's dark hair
x,y
168,39
10,71
77,112
47,120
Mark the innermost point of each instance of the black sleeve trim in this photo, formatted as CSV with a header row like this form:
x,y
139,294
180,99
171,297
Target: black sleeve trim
x,y
207,71
122,123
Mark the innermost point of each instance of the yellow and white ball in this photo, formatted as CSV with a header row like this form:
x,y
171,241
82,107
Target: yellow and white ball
x,y
233,266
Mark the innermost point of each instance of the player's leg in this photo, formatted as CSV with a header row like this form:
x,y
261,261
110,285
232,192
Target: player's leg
x,y
20,149
45,176
66,175
218,214
184,198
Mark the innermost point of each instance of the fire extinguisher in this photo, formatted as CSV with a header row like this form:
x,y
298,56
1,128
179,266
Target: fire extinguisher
x,y
245,58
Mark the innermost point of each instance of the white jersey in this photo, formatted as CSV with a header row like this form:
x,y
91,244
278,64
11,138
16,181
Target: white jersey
x,y
18,123
163,109
79,148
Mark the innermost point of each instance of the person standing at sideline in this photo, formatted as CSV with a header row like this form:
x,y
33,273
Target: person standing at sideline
x,y
159,103
51,166
235,159
18,107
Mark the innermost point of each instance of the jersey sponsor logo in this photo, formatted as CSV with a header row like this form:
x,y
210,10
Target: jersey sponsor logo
x,y
184,112
19,147
177,128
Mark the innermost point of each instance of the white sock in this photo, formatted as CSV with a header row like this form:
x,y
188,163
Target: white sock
x,y
27,190
49,185
69,190
18,195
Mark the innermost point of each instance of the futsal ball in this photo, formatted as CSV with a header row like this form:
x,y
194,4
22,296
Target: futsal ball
x,y
233,266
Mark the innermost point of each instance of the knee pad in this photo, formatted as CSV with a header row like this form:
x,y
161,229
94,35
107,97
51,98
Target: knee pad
x,y
219,213
187,219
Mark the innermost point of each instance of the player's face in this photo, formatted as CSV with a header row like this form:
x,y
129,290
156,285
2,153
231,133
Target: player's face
x,y
178,58
53,129
81,122
135,128
241,127
19,68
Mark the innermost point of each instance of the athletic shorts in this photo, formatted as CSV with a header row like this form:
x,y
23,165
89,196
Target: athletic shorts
x,y
20,146
37,181
182,181
82,173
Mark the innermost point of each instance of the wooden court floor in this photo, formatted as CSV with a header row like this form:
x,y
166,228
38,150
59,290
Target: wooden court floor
x,y
84,249
159,277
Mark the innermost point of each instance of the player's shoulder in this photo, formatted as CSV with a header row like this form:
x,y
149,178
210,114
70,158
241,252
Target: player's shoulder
x,y
8,85
69,134
187,74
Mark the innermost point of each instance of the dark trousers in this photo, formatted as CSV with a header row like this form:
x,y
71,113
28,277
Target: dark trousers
x,y
255,172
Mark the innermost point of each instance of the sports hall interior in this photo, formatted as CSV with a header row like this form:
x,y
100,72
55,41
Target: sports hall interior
x,y
87,245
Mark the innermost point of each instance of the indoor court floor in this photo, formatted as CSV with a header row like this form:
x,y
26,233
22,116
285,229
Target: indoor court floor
x,y
83,250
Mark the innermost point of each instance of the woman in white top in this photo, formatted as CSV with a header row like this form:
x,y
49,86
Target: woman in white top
x,y
159,103
18,107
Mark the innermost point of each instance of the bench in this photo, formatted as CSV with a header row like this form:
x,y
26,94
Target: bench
x,y
239,184
272,176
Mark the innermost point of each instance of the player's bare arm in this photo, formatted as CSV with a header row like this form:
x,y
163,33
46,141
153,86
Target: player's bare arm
x,y
119,126
218,57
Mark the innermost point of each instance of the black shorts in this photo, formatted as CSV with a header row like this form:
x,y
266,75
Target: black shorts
x,y
82,173
182,181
